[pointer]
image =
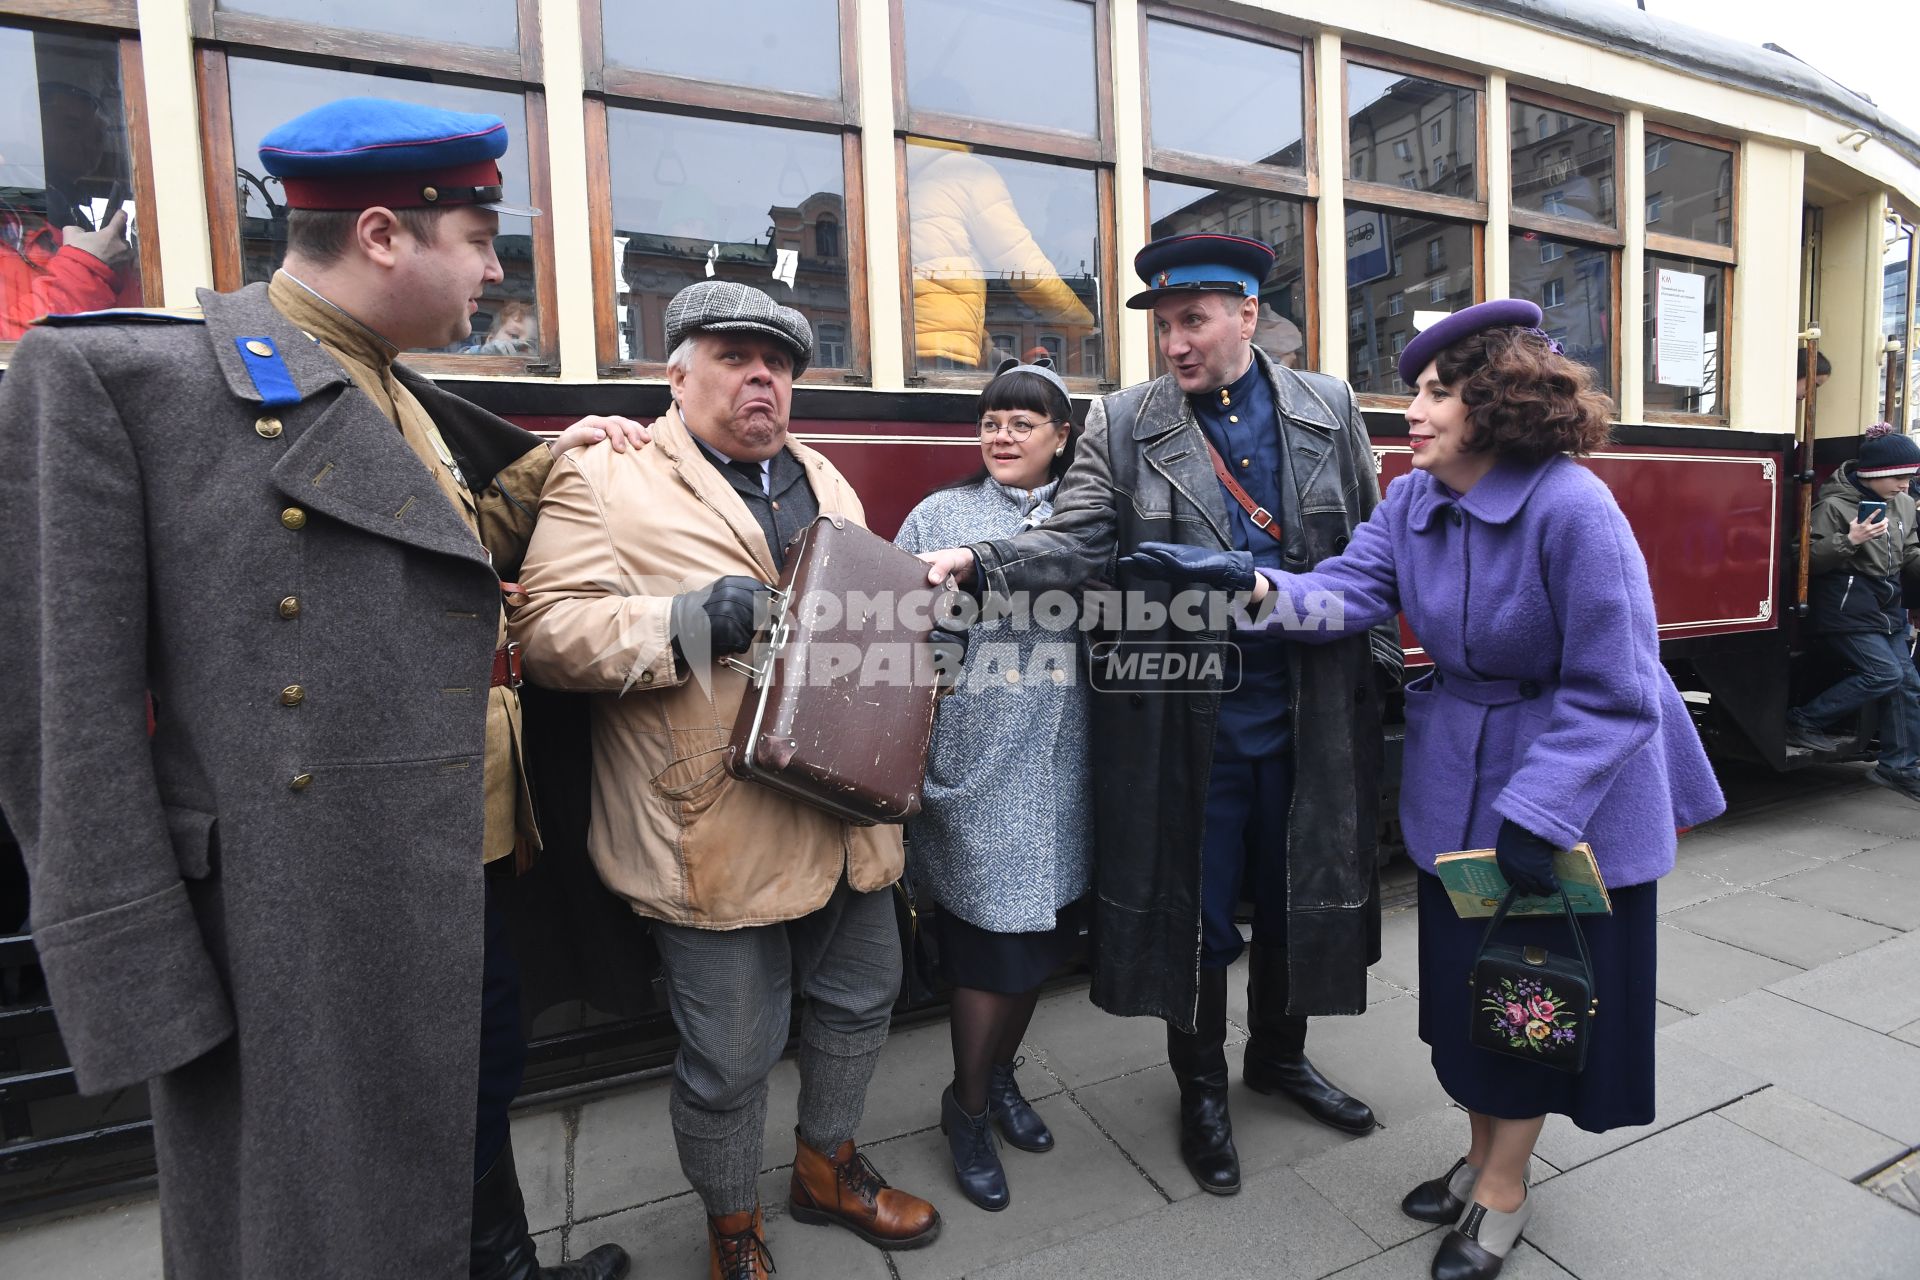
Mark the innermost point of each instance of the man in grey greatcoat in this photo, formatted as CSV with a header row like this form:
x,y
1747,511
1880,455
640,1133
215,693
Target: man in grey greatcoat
x,y
261,731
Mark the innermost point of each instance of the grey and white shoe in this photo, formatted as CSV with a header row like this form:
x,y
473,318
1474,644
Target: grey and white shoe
x,y
1442,1200
1478,1246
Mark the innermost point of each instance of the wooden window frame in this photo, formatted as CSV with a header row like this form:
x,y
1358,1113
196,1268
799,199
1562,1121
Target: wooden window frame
x,y
1724,256
116,21
612,87
1015,142
1305,182
222,36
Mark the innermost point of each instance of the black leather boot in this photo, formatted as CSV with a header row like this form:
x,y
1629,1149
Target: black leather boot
x,y
1276,1060
1199,1063
501,1249
976,1161
1019,1123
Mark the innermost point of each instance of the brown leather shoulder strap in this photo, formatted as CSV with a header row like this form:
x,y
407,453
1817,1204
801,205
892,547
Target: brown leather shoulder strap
x,y
1260,516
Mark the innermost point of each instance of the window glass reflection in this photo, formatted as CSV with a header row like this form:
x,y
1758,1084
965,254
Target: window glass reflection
x,y
1023,62
1562,164
698,199
268,94
1399,265
792,45
1572,283
66,182
1689,190
492,24
1685,345
1003,254
1254,115
1406,131
1178,208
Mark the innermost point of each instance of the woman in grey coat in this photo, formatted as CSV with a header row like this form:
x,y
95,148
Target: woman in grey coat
x,y
1002,842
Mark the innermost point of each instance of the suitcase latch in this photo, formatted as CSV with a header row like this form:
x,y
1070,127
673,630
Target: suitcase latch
x,y
776,640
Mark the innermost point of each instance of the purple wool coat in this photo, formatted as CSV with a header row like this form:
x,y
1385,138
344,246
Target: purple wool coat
x,y
1547,703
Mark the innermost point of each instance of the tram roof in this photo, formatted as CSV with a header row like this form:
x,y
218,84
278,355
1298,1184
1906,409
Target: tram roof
x,y
1621,27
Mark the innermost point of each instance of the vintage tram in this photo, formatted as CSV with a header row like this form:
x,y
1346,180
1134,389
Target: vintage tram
x,y
939,183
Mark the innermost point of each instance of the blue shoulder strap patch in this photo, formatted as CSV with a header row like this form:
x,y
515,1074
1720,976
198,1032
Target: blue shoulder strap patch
x,y
268,371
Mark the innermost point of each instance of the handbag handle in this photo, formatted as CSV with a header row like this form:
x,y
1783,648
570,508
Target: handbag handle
x,y
1579,938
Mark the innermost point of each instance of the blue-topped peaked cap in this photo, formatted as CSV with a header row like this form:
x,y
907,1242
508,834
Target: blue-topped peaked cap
x,y
358,153
1201,262
1441,334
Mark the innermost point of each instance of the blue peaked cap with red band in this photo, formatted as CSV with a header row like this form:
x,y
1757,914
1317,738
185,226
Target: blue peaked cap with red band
x,y
1201,262
355,153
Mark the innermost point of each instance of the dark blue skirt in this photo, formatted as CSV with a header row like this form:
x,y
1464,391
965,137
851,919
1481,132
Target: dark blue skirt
x,y
1008,963
1616,1089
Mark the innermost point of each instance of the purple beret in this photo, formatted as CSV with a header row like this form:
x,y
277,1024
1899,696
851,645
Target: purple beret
x,y
1440,335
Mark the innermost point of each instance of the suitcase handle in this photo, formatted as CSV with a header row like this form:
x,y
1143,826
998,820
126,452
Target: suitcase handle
x,y
776,641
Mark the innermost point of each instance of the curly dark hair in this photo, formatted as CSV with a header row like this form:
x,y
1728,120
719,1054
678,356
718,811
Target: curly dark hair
x,y
1524,400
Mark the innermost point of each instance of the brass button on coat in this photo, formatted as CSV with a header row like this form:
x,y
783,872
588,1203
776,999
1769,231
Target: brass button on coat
x,y
301,781
293,695
294,518
290,607
268,428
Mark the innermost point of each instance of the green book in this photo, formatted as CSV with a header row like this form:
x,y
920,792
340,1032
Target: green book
x,y
1473,880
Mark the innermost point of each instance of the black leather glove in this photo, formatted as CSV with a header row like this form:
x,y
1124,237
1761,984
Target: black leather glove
x,y
1526,860
1201,566
949,655
723,615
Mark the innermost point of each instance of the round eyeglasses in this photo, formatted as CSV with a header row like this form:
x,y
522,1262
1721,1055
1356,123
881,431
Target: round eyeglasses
x,y
1019,428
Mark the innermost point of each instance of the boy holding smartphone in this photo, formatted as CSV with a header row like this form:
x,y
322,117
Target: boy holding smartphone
x,y
1864,541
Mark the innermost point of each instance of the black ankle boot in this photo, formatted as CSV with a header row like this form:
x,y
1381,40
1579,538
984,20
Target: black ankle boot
x,y
976,1161
500,1247
1019,1123
1199,1063
1276,1059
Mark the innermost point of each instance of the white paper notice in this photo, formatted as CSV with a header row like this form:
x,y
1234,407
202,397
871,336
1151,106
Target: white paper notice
x,y
1679,329
713,256
786,265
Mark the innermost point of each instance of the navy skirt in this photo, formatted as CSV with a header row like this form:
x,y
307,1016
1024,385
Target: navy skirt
x,y
1006,963
1616,1089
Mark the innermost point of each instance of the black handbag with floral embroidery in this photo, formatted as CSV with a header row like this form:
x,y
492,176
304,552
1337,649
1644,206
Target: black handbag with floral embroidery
x,y
1530,1003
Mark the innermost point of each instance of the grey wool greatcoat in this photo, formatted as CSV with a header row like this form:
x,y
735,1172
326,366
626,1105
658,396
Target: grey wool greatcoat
x,y
270,912
1140,474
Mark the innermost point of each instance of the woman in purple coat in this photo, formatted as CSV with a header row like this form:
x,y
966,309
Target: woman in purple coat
x,y
1546,720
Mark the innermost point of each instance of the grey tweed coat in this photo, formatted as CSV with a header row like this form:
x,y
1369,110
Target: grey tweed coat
x,y
271,912
1003,839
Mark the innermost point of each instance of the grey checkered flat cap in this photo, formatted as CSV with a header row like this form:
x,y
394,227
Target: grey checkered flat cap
x,y
725,304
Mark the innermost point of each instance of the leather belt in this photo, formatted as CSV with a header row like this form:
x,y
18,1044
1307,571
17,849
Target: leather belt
x,y
1489,693
506,665
1262,518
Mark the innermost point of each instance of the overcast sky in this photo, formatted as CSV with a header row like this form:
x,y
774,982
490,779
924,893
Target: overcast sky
x,y
1872,46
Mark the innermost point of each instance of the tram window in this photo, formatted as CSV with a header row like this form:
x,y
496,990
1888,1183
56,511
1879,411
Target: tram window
x,y
1683,382
1693,194
67,233
1181,208
1562,164
959,64
696,198
791,45
1443,280
1265,125
1573,282
266,94
1428,120
1001,245
491,24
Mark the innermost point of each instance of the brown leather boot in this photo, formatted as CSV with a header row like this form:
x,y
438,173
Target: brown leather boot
x,y
846,1190
737,1248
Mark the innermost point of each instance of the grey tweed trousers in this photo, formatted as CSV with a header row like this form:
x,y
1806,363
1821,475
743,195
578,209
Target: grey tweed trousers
x,y
731,991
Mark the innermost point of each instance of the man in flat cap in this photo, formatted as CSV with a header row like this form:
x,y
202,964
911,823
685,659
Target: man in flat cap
x,y
263,728
1258,778
645,569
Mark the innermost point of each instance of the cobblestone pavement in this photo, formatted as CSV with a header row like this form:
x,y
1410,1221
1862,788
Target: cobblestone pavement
x,y
1789,1114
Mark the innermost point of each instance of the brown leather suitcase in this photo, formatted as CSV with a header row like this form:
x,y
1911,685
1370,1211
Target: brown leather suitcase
x,y
840,711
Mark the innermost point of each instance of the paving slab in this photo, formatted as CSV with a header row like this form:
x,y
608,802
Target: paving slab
x,y
1081,1044
1813,1133
1665,1015
1277,1226
1399,963
1698,973
1878,988
1869,1078
1739,863
1869,808
1707,1200
915,1068
1379,1058
1795,831
1901,858
1909,1034
1683,888
1791,932
1081,1188
1141,1113
1848,889
119,1242
1686,1083
546,1248
1414,1260
540,1158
